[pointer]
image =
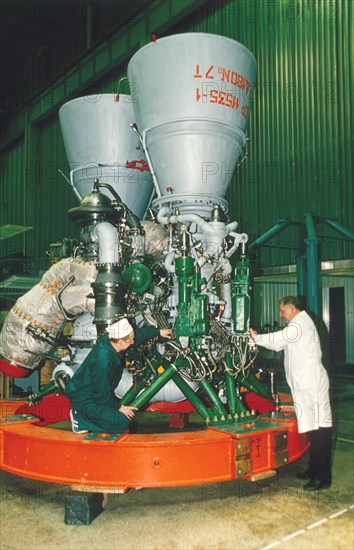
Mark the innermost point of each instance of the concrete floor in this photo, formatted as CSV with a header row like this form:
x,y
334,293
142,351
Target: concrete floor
x,y
273,513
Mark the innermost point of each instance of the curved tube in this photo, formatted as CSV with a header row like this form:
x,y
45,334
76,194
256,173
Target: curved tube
x,y
132,220
107,237
164,218
59,293
169,263
238,238
230,228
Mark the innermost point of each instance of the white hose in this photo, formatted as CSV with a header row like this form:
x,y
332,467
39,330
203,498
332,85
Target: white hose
x,y
107,237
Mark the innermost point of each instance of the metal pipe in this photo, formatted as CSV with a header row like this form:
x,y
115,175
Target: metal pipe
x,y
282,224
273,386
253,384
154,387
301,275
97,185
50,388
230,386
238,237
311,242
107,237
59,302
218,407
241,409
338,227
191,396
133,391
164,218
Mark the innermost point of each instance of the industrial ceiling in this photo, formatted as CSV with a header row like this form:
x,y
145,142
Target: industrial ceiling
x,y
42,38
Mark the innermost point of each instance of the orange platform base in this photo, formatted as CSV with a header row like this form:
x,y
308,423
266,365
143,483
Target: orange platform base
x,y
250,449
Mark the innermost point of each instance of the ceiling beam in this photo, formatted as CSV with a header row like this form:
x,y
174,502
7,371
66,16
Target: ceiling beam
x,y
113,53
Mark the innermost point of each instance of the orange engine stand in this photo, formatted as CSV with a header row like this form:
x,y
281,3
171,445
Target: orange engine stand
x,y
250,449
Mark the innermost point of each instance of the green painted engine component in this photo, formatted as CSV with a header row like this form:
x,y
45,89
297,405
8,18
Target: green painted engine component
x,y
165,374
137,277
51,387
133,391
198,314
219,410
185,275
192,397
240,298
252,383
230,392
192,317
233,400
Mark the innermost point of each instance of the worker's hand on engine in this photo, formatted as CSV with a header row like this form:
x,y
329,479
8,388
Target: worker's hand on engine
x,y
129,412
166,333
253,333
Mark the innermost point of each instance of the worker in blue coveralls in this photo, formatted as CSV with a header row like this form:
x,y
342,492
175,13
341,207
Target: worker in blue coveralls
x,y
95,407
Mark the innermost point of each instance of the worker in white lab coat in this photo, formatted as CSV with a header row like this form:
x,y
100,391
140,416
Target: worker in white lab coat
x,y
309,385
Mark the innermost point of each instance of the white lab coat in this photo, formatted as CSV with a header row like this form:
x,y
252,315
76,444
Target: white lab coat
x,y
305,374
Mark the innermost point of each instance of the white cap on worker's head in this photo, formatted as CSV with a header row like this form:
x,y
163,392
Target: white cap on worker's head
x,y
120,329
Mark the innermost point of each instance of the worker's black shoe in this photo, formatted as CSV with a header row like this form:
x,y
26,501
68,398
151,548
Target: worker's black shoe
x,y
316,485
304,475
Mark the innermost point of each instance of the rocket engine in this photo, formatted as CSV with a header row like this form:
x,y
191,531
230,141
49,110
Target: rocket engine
x,y
170,149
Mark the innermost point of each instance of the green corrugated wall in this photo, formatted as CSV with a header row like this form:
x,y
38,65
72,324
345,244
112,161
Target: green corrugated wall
x,y
55,194
300,154
11,195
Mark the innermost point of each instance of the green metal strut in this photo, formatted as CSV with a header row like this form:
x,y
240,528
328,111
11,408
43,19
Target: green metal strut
x,y
253,384
218,407
192,397
149,392
233,400
133,391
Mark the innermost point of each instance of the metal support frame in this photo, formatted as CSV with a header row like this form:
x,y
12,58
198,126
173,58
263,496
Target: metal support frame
x,y
281,224
307,265
312,242
103,464
340,228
